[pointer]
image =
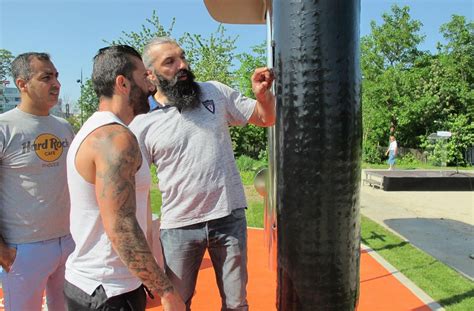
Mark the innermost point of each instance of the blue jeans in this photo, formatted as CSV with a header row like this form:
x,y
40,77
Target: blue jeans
x,y
391,157
38,266
226,241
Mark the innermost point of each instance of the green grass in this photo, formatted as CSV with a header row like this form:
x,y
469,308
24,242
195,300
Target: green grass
x,y
450,289
155,197
440,282
255,207
247,177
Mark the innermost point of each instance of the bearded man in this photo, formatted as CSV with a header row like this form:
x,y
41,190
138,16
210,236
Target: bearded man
x,y
186,136
112,265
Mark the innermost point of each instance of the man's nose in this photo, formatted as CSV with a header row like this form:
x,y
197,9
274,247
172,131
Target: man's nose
x,y
182,64
56,83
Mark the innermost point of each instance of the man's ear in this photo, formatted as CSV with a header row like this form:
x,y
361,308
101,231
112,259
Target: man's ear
x,y
152,81
151,76
22,84
121,84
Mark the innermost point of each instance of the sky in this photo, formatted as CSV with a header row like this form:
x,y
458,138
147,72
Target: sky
x,y
72,31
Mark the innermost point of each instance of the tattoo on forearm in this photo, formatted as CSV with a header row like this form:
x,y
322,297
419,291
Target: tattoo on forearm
x,y
118,178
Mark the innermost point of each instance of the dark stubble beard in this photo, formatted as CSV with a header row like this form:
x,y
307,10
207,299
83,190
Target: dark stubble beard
x,y
139,99
183,94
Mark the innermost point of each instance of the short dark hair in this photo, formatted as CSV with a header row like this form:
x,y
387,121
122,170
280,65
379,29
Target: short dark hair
x,y
110,62
20,66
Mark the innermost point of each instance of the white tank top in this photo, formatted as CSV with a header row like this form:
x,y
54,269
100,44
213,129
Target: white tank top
x,y
94,262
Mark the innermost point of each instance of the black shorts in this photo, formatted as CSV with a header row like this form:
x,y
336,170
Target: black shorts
x,y
78,300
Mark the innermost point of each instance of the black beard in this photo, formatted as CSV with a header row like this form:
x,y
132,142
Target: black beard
x,y
182,94
139,99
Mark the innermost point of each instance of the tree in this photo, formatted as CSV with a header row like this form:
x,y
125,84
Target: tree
x,y
460,45
88,102
392,44
248,63
75,122
6,59
388,54
249,140
452,84
418,92
211,59
458,55
138,39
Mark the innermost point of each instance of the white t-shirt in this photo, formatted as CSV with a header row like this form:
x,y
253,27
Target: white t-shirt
x,y
393,146
192,151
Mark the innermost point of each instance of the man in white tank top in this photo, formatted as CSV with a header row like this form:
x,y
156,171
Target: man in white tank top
x,y
112,264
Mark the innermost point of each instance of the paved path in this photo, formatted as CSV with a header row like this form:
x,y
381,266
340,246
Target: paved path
x,y
439,223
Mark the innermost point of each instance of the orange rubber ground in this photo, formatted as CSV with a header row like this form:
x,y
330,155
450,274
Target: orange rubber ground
x,y
379,290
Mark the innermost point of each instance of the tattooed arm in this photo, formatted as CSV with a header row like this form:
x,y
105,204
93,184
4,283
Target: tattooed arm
x,y
117,158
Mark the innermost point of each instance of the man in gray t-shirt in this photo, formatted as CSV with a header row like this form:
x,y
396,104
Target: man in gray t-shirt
x,y
34,199
186,137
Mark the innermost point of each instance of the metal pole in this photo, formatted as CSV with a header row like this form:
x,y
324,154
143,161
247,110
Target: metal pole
x,y
80,106
270,220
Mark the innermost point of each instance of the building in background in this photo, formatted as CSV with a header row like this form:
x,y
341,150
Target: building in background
x,y
58,110
9,97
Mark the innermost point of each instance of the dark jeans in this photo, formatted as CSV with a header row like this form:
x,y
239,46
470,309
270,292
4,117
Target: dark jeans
x,y
78,300
226,241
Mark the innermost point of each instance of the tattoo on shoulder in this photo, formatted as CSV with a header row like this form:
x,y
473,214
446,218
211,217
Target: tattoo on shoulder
x,y
122,159
120,156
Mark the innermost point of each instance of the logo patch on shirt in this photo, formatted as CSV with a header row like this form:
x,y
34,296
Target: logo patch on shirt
x,y
47,147
209,104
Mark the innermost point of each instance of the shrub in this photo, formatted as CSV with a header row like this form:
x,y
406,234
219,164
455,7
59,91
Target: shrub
x,y
409,159
372,154
245,163
249,140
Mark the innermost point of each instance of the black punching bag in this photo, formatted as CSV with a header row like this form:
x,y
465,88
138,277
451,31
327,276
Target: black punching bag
x,y
318,143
